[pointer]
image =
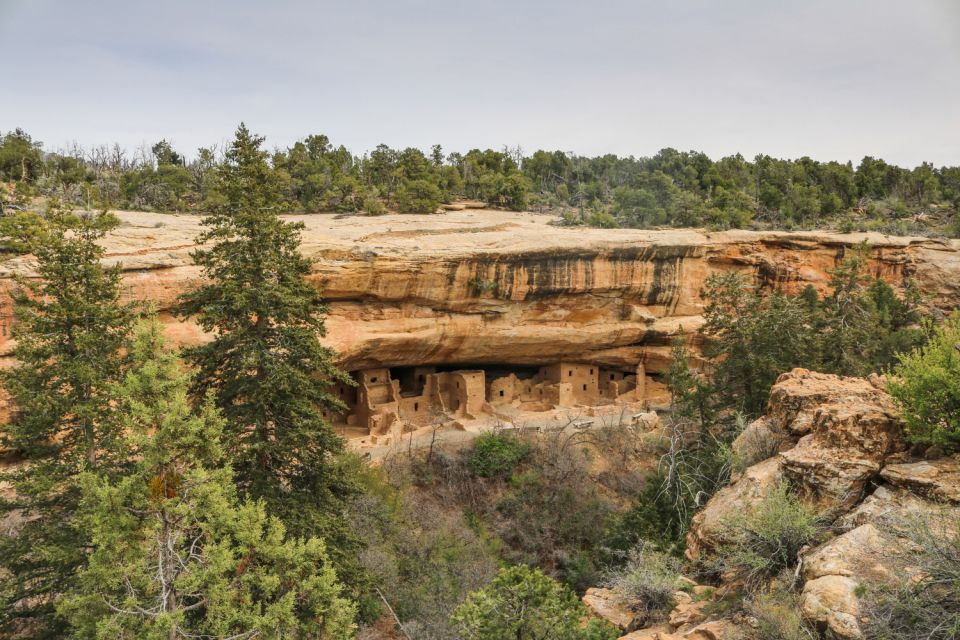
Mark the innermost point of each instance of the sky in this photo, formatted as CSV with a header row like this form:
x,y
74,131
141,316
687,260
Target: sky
x,y
830,79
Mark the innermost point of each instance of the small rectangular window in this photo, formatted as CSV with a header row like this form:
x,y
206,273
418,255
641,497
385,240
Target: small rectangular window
x,y
416,406
570,373
584,387
612,376
501,393
373,379
591,371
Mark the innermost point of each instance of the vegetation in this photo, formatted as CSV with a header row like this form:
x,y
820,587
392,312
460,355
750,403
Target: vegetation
x,y
265,367
926,387
778,617
495,455
70,329
767,539
670,188
928,606
174,553
522,603
646,582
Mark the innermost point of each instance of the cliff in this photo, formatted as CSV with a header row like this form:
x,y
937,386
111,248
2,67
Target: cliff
x,y
491,287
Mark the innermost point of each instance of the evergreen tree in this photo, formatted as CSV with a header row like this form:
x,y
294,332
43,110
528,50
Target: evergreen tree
x,y
69,328
752,339
267,370
174,553
864,322
523,604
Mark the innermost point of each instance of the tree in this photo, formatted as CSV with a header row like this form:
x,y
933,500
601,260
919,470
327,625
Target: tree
x,y
418,196
926,388
523,604
863,322
266,367
752,339
20,157
69,328
175,554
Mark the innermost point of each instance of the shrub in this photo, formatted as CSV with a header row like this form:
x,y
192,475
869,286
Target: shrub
x,y
418,196
495,455
523,603
646,582
926,388
767,539
927,606
778,617
373,206
603,220
654,516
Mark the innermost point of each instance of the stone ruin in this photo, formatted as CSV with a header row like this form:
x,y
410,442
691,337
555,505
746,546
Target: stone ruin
x,y
420,396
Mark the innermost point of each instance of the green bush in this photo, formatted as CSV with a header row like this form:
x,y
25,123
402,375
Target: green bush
x,y
766,540
524,604
603,220
926,388
496,455
418,196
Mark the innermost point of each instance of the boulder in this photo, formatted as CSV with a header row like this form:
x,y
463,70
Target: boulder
x,y
715,630
604,603
748,489
850,434
891,509
798,394
859,553
937,480
831,604
689,613
660,632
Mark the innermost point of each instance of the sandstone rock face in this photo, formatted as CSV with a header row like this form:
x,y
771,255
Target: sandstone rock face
x,y
604,603
851,431
847,443
831,603
858,553
752,486
475,287
844,429
937,480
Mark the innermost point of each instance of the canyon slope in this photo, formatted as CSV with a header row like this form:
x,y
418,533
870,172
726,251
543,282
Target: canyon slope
x,y
481,287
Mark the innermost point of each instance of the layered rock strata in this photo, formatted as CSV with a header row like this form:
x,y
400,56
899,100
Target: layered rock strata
x,y
490,287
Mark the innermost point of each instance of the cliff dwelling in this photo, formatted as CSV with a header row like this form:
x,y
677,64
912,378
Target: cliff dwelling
x,y
399,400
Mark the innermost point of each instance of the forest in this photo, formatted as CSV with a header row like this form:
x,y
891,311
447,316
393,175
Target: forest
x,y
669,189
202,494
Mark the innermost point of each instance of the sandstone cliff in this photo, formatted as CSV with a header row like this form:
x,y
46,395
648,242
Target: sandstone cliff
x,y
492,287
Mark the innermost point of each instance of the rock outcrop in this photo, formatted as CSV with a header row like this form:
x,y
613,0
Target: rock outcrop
x,y
842,431
837,442
493,287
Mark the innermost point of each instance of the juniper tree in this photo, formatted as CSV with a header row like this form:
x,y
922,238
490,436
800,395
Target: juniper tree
x,y
175,554
70,328
266,367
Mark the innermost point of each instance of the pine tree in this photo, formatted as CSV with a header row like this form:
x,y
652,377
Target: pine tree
x,y
70,329
175,555
266,367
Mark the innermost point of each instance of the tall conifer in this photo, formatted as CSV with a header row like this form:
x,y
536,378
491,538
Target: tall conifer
x,y
175,554
70,329
266,367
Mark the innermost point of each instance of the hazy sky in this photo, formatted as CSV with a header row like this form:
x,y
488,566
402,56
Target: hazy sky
x,y
833,79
